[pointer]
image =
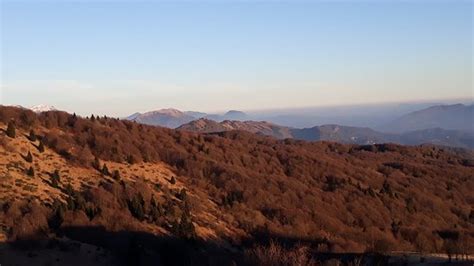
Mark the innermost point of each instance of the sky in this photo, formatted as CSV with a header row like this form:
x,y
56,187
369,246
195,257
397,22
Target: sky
x,y
121,57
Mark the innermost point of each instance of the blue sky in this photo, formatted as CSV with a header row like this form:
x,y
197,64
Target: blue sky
x,y
120,57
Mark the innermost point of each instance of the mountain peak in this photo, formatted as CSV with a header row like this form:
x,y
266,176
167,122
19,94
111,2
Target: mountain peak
x,y
235,115
168,117
233,112
170,111
42,108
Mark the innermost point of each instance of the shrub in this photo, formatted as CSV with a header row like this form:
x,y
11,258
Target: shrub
x,y
275,254
11,132
232,197
410,205
333,183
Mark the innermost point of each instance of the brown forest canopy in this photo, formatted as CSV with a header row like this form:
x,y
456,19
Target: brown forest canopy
x,y
355,197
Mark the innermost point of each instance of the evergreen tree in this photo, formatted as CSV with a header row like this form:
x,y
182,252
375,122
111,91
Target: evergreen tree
x,y
30,171
92,118
155,210
185,228
58,215
96,163
71,205
182,194
11,132
54,182
56,176
136,207
105,170
32,136
41,146
131,159
173,180
72,120
29,157
92,211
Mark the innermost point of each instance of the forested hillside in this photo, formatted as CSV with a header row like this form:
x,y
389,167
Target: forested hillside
x,y
230,190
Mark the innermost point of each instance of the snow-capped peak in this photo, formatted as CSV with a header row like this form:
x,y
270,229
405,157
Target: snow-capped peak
x,y
42,108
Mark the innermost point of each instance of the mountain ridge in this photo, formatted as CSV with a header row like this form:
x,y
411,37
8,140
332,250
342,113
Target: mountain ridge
x,y
338,133
449,117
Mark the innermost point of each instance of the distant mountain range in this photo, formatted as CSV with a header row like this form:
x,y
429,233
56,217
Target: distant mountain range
x,y
337,133
449,125
173,118
170,118
452,117
264,128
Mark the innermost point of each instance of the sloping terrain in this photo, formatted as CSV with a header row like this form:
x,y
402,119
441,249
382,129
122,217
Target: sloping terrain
x,y
204,125
343,134
451,117
179,197
337,133
173,118
170,118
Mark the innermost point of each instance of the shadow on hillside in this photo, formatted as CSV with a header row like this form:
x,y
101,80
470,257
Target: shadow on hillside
x,y
97,246
125,247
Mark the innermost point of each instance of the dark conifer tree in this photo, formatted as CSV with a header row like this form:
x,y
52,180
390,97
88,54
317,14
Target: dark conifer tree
x,y
11,132
56,176
31,171
105,170
41,146
29,157
32,136
96,163
173,180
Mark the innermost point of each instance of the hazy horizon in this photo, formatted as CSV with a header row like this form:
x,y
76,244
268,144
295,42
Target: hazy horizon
x,y
120,58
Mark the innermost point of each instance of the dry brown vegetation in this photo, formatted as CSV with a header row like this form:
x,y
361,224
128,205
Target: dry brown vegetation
x,y
233,186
